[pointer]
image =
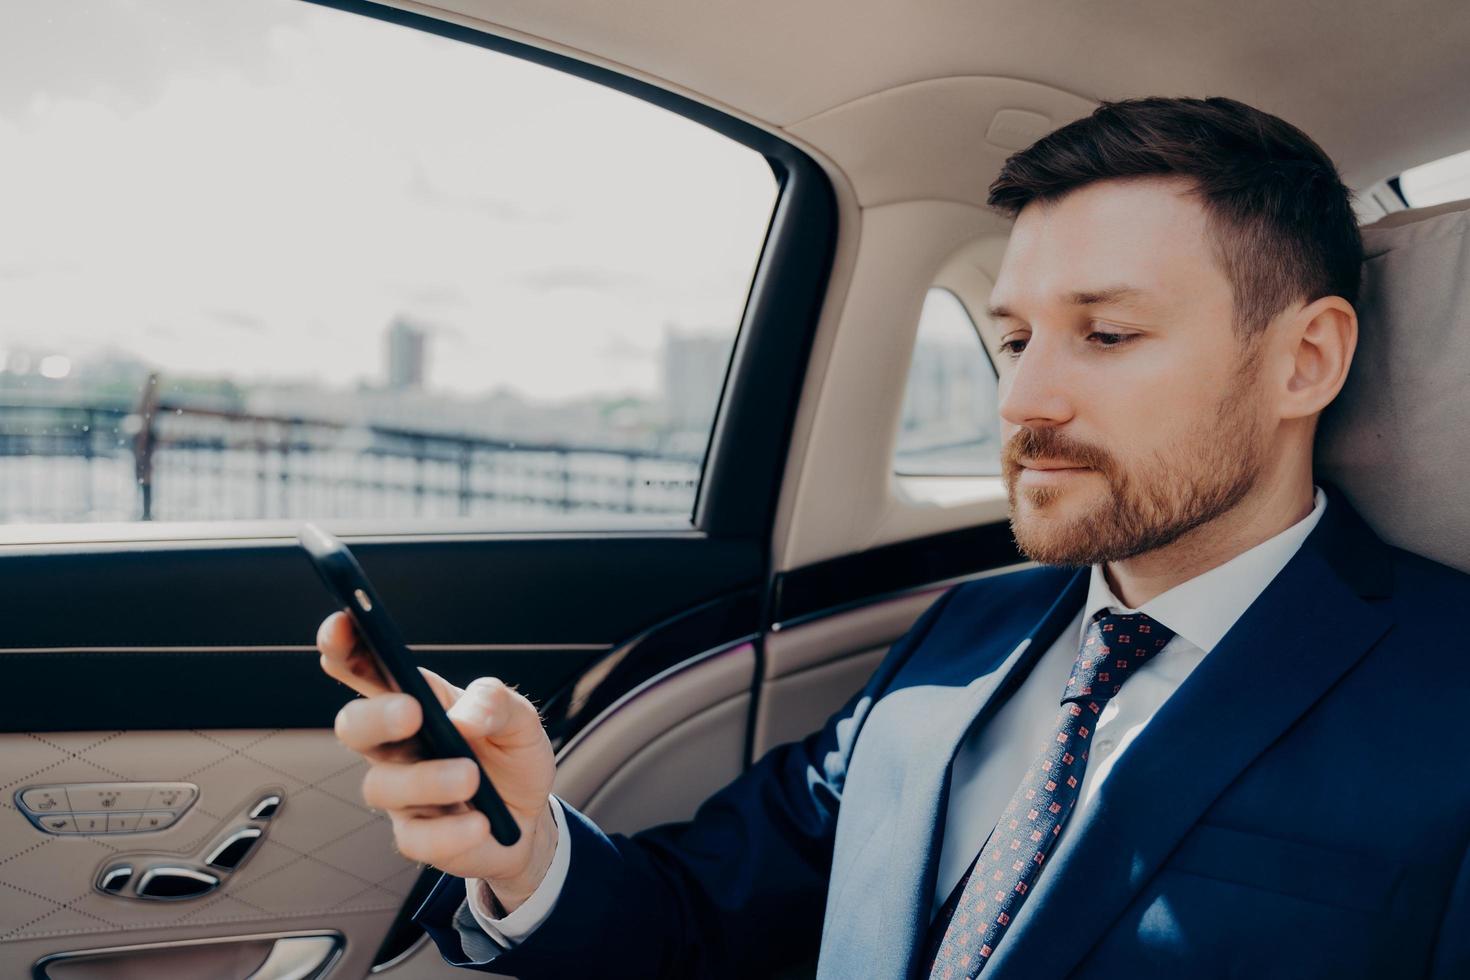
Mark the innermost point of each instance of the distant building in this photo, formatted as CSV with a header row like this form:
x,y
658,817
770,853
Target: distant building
x,y
406,349
694,367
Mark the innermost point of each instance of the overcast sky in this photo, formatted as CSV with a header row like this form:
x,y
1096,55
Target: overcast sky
x,y
257,187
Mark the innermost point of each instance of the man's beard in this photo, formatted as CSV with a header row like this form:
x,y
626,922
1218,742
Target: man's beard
x,y
1148,506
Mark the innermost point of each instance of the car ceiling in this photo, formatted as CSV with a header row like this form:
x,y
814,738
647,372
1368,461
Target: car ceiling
x,y
1381,86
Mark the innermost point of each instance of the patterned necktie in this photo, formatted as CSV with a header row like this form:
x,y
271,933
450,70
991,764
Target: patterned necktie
x,y
972,920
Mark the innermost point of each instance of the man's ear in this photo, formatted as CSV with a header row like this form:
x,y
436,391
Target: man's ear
x,y
1317,345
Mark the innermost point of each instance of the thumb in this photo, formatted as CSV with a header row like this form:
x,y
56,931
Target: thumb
x,y
491,710
446,692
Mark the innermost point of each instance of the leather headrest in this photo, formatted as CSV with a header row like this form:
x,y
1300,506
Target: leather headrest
x,y
1397,439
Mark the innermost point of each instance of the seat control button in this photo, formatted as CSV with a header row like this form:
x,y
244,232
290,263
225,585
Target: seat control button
x,y
59,823
45,800
107,796
174,883
266,808
172,796
156,819
115,879
91,823
122,823
233,849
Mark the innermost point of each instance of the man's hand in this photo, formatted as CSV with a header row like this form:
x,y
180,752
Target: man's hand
x,y
426,799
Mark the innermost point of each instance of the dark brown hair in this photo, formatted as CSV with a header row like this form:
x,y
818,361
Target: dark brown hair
x,y
1281,218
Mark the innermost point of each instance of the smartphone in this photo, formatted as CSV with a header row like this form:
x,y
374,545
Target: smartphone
x,y
438,738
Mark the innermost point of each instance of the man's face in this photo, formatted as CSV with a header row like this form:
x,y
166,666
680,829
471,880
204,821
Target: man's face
x,y
1126,393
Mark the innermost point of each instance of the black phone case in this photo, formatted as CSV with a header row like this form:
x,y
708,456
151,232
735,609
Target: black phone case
x,y
438,738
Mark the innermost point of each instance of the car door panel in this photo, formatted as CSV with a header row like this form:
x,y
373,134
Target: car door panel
x,y
656,754
325,861
143,627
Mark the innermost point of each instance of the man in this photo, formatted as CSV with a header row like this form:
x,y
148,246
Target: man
x,y
1214,735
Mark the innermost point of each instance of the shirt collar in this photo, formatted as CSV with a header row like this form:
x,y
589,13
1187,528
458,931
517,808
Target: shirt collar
x,y
1203,609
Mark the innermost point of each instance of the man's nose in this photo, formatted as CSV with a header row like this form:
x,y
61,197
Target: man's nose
x,y
1034,392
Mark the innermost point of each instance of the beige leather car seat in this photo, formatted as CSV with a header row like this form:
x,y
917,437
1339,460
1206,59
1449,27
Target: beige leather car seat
x,y
1395,440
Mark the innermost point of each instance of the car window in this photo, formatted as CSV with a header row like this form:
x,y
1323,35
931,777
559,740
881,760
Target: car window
x,y
950,425
1437,182
273,260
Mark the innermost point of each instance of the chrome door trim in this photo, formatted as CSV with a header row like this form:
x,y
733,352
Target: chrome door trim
x,y
38,969
413,948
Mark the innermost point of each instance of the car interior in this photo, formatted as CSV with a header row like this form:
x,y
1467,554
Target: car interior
x,y
175,802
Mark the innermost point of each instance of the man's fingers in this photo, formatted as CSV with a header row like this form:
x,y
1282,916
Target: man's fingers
x,y
370,725
437,782
335,637
344,658
438,840
433,811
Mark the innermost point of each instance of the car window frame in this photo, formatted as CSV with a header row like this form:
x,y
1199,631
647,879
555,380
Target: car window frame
x,y
739,483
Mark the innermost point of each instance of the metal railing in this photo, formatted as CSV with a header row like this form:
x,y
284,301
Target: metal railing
x,y
163,461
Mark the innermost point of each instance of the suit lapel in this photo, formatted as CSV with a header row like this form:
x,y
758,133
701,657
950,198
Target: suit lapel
x,y
911,864
1308,628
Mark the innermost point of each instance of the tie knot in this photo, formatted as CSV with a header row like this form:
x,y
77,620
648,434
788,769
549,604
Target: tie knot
x,y
1116,645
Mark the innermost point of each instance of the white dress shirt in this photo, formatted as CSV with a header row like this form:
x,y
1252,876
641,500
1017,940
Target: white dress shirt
x,y
991,762
533,911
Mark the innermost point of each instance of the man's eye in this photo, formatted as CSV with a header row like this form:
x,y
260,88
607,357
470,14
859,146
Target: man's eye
x,y
1013,347
1106,339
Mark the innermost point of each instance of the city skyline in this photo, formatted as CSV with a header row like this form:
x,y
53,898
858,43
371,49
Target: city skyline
x,y
60,367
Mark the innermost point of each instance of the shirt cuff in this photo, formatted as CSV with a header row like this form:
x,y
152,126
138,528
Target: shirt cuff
x,y
535,909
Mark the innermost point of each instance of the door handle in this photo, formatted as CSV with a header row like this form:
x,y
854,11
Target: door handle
x,y
170,883
299,958
290,956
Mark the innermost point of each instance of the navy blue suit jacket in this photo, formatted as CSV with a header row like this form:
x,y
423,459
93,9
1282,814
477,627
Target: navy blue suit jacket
x,y
1300,807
